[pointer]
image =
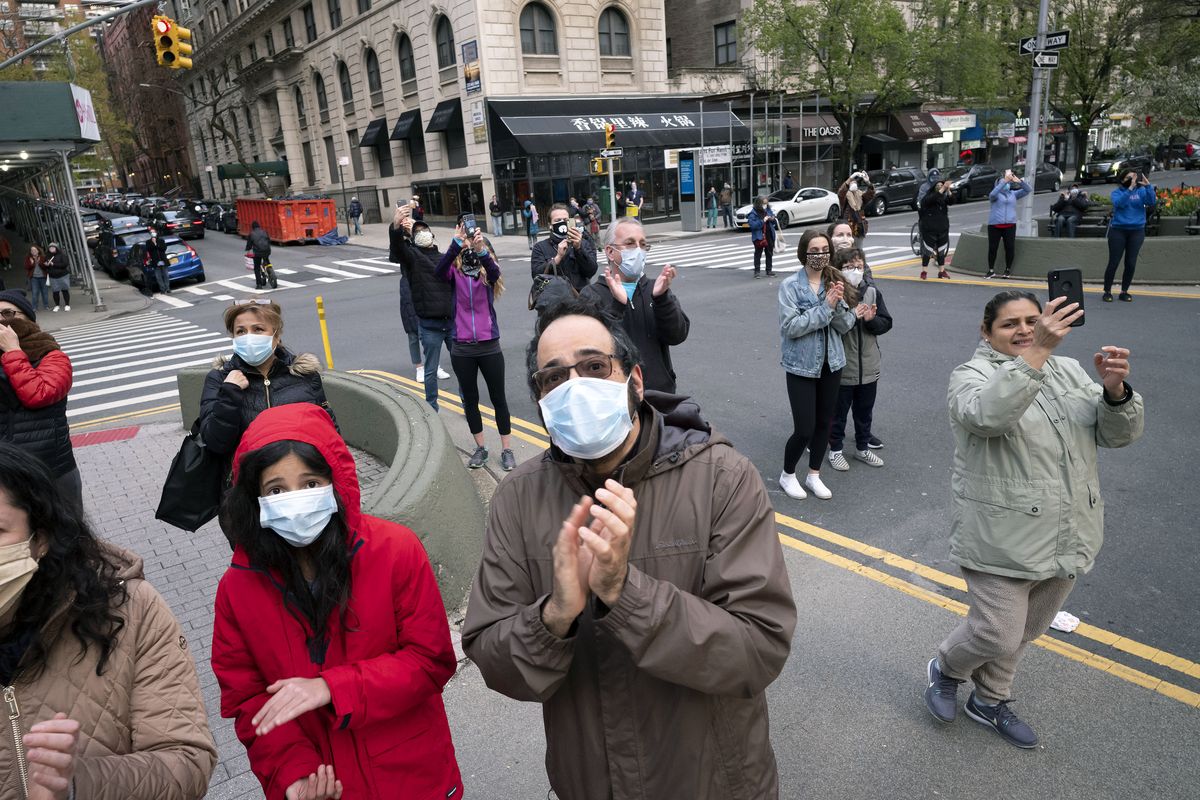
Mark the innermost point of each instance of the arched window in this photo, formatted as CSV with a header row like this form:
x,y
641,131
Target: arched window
x,y
614,33
408,65
347,88
374,80
445,43
538,36
301,112
322,97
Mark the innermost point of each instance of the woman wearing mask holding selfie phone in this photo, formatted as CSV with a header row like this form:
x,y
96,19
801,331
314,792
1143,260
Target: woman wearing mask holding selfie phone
x,y
260,374
1127,231
856,195
330,640
1002,220
815,310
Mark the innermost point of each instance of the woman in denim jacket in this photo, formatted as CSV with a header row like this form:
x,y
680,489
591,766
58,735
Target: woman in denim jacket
x,y
814,311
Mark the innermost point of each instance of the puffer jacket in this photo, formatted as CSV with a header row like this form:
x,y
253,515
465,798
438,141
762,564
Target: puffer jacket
x,y
861,343
385,731
259,242
57,266
143,730
1003,207
226,410
811,331
1027,499
655,324
432,298
33,407
662,695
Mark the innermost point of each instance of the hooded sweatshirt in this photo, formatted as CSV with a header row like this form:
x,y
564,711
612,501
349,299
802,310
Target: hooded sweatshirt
x,y
385,730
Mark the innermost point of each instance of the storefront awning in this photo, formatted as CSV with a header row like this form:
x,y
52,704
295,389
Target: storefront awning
x,y
875,142
814,129
916,125
230,171
375,134
445,116
408,124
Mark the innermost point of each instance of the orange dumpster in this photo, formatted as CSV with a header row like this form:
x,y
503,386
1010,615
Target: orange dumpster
x,y
287,220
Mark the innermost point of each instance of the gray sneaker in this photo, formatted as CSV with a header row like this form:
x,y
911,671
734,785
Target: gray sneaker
x,y
508,461
478,458
838,461
941,696
1003,721
867,457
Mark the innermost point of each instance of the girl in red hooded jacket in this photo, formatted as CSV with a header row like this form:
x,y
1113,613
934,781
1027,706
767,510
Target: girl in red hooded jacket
x,y
330,643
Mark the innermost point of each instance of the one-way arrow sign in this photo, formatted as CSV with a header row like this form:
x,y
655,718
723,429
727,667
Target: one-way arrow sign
x,y
1044,60
1055,40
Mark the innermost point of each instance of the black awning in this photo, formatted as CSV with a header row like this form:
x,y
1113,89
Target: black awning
x,y
375,134
445,116
666,129
875,142
408,124
917,125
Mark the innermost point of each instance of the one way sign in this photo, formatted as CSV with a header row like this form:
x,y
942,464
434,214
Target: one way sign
x,y
1044,60
1055,40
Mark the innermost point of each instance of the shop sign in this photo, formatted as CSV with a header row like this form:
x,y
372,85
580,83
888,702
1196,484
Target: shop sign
x,y
1002,130
714,154
471,70
646,122
970,144
822,132
954,120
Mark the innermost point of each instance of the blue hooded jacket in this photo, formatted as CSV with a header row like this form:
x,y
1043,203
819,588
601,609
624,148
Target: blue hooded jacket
x,y
1004,202
1130,206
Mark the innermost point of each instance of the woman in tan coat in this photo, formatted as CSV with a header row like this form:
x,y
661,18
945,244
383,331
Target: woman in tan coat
x,y
98,684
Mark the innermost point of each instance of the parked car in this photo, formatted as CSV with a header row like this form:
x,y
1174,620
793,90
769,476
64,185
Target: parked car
x,y
123,245
216,213
894,188
974,182
229,220
1109,163
184,224
807,204
130,204
1049,177
184,263
91,227
125,224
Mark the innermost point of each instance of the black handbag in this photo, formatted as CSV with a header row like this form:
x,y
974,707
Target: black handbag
x,y
550,290
191,494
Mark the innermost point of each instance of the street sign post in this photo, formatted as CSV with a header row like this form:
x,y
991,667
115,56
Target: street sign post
x,y
1057,40
1045,60
612,152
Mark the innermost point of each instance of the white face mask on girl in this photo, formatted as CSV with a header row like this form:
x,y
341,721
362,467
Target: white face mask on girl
x,y
298,517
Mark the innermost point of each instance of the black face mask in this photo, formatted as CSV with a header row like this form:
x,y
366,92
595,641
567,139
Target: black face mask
x,y
558,229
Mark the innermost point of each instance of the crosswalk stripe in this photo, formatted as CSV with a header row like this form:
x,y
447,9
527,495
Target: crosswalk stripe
x,y
109,406
195,362
122,356
368,267
174,302
209,351
194,290
333,271
134,342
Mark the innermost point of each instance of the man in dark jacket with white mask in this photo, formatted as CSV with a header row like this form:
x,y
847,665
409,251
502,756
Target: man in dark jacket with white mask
x,y
412,247
567,252
648,310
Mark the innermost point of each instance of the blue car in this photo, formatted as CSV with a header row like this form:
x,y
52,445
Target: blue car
x,y
117,261
185,263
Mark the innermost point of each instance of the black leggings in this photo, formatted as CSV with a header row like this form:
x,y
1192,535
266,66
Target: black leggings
x,y
1009,235
65,294
492,367
935,244
1123,242
758,253
813,401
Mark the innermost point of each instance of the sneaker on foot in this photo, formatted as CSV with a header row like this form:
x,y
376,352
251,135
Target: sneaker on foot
x,y
868,458
508,461
813,484
791,487
1003,721
443,375
55,309
943,274
941,696
990,274
1107,297
1124,297
420,374
478,458
923,275
874,443
66,308
838,461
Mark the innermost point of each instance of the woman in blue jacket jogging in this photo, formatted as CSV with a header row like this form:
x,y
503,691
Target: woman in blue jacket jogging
x,y
1127,230
1002,220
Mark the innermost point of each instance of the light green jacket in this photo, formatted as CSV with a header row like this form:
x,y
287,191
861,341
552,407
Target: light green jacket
x,y
1026,492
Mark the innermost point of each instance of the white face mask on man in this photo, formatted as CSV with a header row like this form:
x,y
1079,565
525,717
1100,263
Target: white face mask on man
x,y
853,277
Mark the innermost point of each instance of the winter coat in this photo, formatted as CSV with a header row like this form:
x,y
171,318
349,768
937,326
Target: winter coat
x,y
226,410
805,325
408,312
474,298
933,212
1027,499
33,406
861,343
356,208
495,209
156,251
661,695
32,263
655,324
143,730
761,228
578,265
259,242
726,196
385,731
1003,207
1071,206
432,298
56,266
1130,206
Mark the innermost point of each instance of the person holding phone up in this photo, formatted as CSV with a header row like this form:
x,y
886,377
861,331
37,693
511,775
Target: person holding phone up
x,y
1127,231
1028,518
563,252
1002,220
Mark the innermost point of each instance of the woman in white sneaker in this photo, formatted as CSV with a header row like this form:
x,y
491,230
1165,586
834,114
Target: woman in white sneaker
x,y
1028,517
815,309
860,376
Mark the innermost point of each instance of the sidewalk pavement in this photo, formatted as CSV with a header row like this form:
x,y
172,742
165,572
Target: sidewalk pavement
x,y
847,715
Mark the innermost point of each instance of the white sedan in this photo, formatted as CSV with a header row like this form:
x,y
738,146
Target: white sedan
x,y
807,204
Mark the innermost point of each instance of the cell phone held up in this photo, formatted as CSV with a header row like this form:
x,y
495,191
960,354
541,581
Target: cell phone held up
x,y
1067,283
469,225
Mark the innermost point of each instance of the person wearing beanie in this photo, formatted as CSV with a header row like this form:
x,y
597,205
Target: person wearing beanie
x,y
33,393
59,271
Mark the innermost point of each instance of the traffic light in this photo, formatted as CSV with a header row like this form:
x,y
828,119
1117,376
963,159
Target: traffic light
x,y
610,135
598,166
171,46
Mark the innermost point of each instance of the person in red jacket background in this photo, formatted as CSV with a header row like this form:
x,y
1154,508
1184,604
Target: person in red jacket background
x,y
330,643
34,383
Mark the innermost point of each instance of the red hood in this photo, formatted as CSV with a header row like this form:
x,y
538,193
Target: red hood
x,y
305,422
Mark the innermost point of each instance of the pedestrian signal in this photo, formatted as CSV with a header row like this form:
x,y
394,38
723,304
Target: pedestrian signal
x,y
610,136
598,166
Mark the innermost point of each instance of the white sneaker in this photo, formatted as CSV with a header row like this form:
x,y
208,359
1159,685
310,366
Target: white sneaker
x,y
813,484
443,375
54,310
420,374
66,308
791,487
869,458
838,461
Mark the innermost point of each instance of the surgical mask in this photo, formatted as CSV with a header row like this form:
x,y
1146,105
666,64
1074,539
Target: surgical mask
x,y
254,348
853,276
558,229
298,517
630,288
588,418
853,186
17,567
817,261
841,240
423,239
1074,191
633,263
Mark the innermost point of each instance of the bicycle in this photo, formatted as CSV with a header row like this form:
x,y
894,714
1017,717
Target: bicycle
x,y
914,239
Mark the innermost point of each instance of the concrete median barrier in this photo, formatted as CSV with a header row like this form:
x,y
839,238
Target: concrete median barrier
x,y
426,488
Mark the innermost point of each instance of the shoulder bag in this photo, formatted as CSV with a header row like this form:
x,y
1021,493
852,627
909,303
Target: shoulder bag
x,y
191,494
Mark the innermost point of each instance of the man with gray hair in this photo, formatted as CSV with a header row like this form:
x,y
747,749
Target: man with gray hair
x,y
648,310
